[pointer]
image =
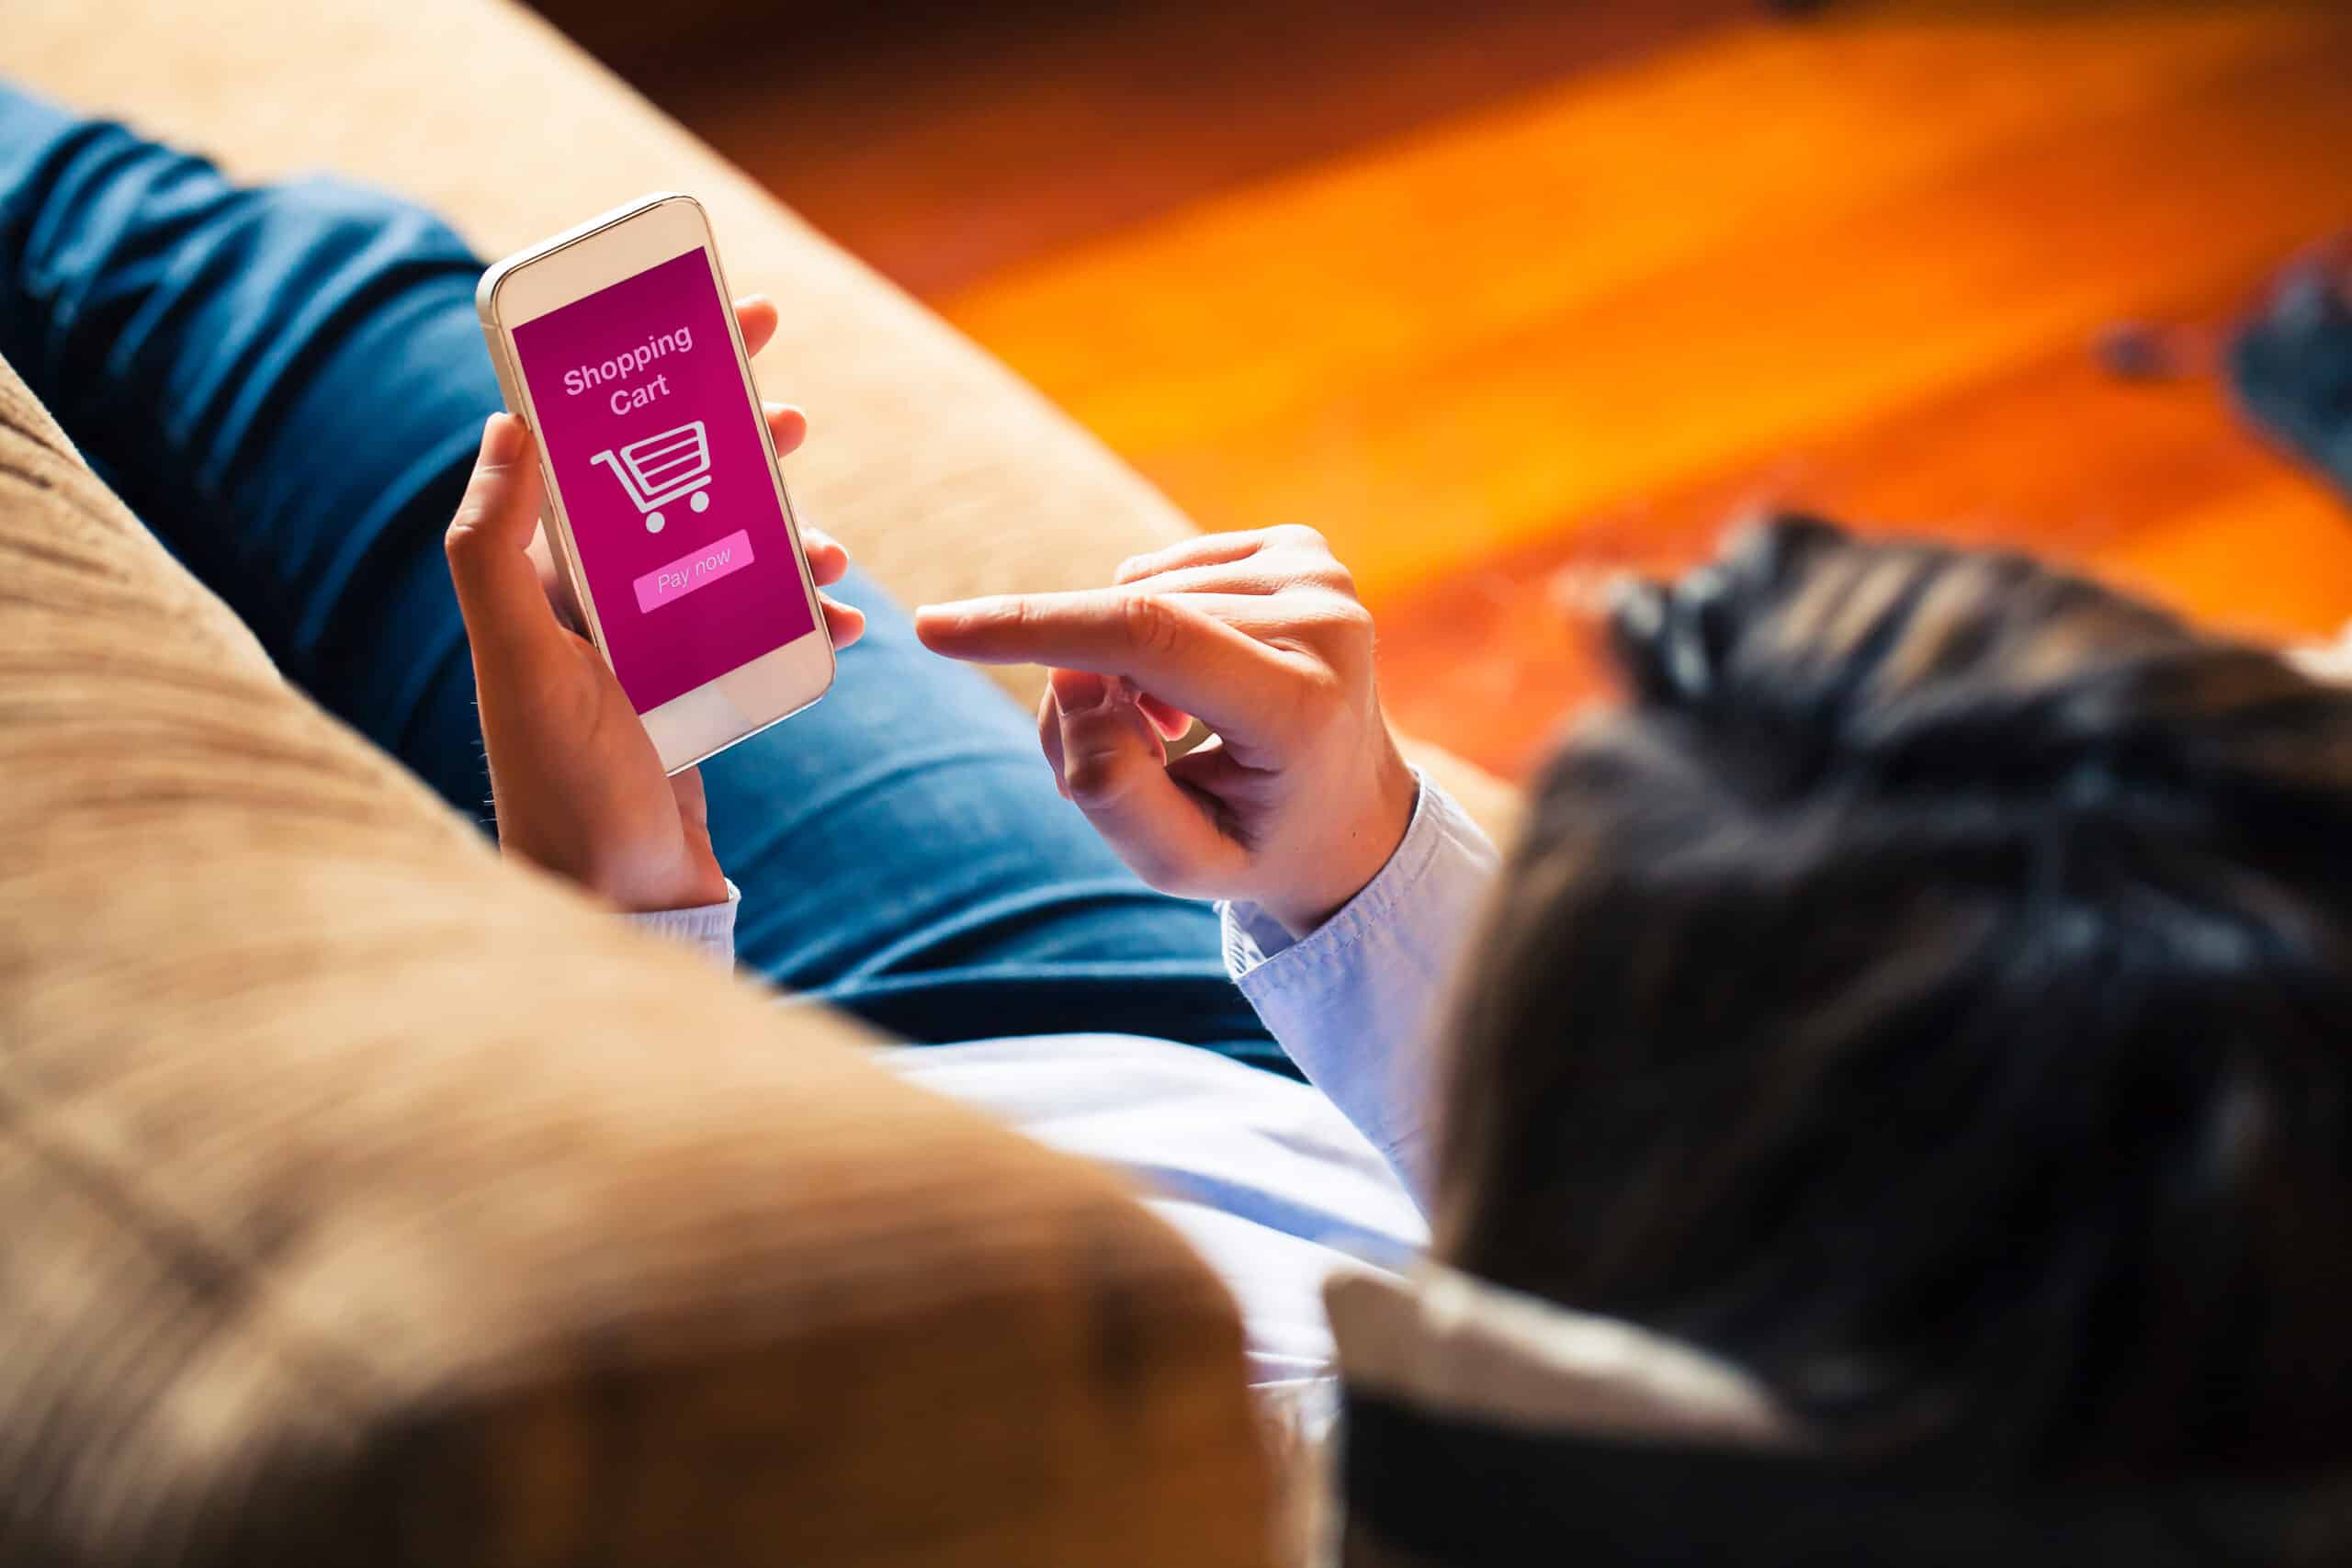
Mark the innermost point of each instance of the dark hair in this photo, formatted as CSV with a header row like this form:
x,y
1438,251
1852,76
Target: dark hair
x,y
1932,990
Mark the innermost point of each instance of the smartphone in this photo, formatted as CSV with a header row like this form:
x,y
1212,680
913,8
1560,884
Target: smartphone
x,y
616,343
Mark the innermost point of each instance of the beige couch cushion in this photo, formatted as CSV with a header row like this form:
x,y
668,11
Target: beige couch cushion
x,y
944,473
367,1201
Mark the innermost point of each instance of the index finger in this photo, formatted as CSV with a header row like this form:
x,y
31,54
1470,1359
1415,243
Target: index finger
x,y
1186,658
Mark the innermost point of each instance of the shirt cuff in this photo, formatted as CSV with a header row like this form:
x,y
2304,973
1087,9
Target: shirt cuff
x,y
1352,1001
1440,838
709,929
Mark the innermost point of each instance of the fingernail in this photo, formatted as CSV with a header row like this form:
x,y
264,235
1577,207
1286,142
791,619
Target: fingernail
x,y
1079,691
501,437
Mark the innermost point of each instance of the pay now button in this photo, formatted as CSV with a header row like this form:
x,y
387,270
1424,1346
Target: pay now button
x,y
692,570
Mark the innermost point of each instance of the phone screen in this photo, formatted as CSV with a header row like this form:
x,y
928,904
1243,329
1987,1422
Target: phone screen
x,y
647,427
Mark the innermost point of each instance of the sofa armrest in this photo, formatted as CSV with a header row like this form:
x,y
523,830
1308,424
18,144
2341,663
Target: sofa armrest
x,y
371,1200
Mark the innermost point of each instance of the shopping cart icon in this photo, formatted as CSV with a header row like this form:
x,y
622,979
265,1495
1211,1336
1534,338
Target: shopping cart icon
x,y
663,469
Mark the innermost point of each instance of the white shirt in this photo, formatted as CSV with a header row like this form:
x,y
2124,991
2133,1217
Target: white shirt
x,y
1273,1181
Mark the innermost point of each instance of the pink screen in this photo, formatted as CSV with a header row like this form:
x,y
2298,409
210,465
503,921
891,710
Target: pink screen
x,y
664,480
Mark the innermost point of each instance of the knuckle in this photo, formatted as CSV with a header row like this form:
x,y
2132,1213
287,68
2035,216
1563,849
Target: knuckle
x,y
1095,777
1299,535
1153,625
1337,634
1020,619
463,539
470,527
1348,614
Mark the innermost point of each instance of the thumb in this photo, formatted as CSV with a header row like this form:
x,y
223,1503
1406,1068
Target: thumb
x,y
1114,767
505,609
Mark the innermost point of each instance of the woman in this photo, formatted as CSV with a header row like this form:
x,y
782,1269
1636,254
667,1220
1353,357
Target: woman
x,y
1925,992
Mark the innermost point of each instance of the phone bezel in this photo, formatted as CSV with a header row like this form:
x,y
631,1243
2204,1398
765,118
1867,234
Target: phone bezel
x,y
766,690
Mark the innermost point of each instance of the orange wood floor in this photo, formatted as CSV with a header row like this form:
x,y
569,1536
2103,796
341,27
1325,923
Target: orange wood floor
x,y
1506,297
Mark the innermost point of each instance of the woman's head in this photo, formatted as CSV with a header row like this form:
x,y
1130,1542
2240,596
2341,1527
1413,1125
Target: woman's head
x,y
1933,988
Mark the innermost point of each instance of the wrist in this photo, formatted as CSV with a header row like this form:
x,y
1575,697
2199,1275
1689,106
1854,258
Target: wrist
x,y
632,885
1369,843
699,889
693,881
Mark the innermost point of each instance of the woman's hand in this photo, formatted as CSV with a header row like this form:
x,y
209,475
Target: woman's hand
x,y
576,781
1301,796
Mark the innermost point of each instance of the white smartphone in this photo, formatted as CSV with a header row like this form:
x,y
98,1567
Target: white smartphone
x,y
616,343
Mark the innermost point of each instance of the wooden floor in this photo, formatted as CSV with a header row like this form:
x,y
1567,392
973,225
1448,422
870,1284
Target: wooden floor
x,y
1506,304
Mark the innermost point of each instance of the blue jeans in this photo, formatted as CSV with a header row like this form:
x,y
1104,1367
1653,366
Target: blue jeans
x,y
287,383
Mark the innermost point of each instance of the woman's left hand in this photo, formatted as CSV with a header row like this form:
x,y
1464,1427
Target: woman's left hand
x,y
575,779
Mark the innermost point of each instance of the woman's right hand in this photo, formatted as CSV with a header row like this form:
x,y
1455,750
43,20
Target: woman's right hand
x,y
1300,798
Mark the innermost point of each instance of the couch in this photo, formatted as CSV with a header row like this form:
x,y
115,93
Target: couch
x,y
373,1200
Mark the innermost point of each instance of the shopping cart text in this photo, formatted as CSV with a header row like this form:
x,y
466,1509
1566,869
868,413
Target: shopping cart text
x,y
624,398
631,362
